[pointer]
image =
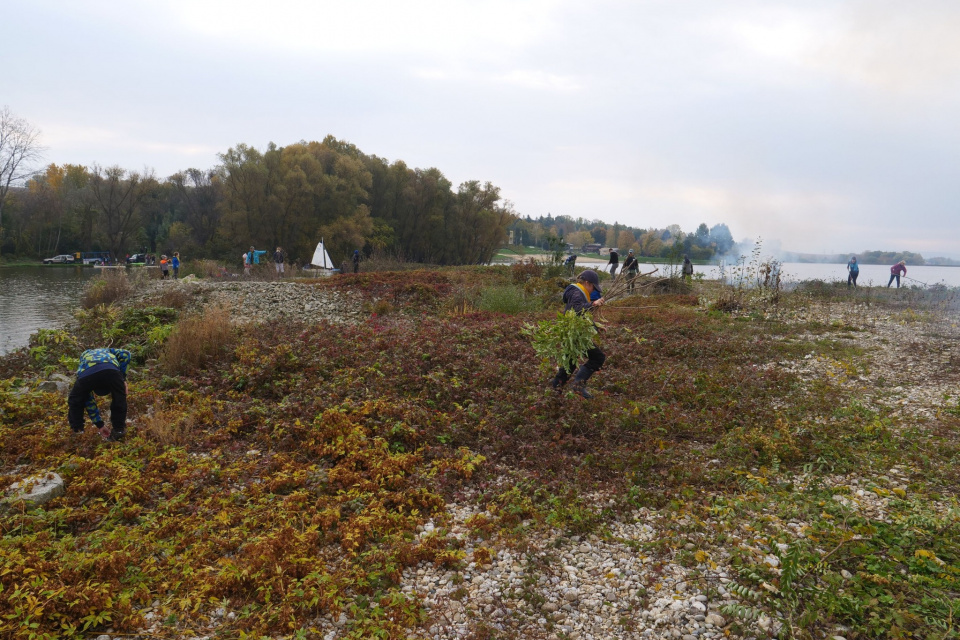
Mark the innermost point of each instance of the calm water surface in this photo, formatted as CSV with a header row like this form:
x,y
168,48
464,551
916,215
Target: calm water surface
x,y
875,275
38,297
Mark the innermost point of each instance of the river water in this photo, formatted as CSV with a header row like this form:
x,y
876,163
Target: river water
x,y
871,275
39,297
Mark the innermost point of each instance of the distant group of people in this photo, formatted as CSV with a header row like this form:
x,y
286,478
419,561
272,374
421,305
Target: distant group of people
x,y
853,272
252,256
166,264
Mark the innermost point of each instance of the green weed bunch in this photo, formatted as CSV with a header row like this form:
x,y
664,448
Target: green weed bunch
x,y
564,340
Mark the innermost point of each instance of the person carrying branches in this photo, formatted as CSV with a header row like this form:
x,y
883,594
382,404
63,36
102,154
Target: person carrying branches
x,y
577,298
631,267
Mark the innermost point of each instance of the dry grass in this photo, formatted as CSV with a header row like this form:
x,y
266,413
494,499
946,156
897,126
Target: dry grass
x,y
174,298
168,427
196,340
111,287
203,269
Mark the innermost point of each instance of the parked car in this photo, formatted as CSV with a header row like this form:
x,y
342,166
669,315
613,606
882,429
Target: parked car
x,y
137,258
65,258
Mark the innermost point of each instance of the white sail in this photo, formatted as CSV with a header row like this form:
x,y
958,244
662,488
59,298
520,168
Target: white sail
x,y
321,258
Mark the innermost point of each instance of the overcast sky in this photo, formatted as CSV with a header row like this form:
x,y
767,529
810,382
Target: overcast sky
x,y
828,126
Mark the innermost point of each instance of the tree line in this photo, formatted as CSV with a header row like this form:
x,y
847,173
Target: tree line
x,y
546,231
290,196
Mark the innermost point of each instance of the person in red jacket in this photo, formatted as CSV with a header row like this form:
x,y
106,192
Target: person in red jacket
x,y
896,271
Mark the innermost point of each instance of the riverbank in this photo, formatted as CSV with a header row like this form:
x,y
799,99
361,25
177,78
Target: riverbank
x,y
395,462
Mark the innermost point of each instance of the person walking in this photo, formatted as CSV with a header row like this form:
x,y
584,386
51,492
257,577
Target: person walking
x,y
614,262
631,267
164,267
896,271
101,372
175,263
687,269
577,297
356,260
278,261
853,272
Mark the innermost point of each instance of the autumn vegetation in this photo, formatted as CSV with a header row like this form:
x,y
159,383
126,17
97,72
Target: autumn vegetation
x,y
290,196
279,471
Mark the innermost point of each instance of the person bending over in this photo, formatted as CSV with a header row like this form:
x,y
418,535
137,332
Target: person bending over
x,y
101,372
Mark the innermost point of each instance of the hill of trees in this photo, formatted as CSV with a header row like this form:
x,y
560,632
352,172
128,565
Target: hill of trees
x,y
701,244
284,196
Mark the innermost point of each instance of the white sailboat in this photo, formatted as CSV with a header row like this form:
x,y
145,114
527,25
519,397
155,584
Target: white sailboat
x,y
321,259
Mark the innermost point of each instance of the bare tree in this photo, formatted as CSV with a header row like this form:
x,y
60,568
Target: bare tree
x,y
19,147
119,196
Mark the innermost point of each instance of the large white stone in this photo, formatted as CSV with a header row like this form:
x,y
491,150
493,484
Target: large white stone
x,y
36,490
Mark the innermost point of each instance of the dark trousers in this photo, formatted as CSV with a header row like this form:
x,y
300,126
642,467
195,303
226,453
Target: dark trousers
x,y
356,267
852,278
632,276
892,276
595,360
101,383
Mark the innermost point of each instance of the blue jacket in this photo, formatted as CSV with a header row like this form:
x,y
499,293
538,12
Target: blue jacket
x,y
93,360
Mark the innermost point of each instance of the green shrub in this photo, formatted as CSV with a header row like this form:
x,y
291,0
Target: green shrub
x,y
506,299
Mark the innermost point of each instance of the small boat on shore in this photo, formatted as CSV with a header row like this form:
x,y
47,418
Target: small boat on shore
x,y
321,264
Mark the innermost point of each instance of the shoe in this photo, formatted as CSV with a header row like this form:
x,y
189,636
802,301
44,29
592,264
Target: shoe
x,y
115,436
579,387
559,380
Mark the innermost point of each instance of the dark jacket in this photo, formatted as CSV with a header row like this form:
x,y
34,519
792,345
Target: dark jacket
x,y
614,258
631,264
574,298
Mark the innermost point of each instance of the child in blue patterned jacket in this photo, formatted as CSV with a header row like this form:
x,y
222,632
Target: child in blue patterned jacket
x,y
101,372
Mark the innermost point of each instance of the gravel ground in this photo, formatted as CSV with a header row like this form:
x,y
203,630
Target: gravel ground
x,y
262,301
573,587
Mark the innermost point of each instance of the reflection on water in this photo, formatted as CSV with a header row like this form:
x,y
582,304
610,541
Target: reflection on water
x,y
34,298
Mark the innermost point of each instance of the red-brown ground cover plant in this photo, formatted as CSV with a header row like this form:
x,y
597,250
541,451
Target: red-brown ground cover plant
x,y
298,462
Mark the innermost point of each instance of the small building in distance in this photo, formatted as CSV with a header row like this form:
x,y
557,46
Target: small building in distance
x,y
591,248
